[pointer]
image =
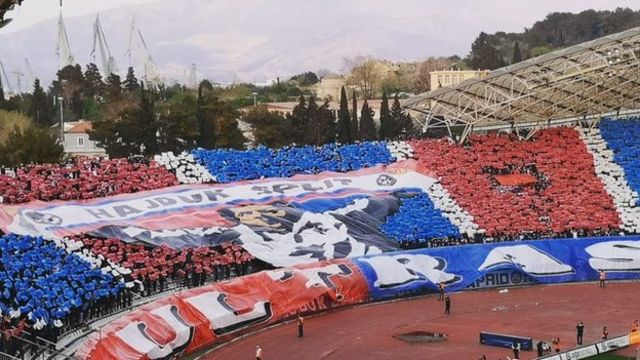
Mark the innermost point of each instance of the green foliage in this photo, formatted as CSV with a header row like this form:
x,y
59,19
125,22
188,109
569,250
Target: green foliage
x,y
484,54
41,108
9,120
345,135
94,84
270,129
306,79
228,134
178,124
386,124
367,126
299,120
402,123
355,126
30,145
131,83
517,55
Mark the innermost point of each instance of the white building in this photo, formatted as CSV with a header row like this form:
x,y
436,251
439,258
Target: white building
x,y
77,142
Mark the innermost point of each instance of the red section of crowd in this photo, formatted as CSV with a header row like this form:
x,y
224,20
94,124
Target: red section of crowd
x,y
568,196
83,178
151,265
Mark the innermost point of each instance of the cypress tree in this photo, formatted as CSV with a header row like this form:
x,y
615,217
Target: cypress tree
x,y
386,126
367,126
517,55
131,82
344,120
355,127
402,122
299,118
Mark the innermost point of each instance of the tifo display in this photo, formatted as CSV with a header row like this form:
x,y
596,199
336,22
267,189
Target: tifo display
x,y
92,237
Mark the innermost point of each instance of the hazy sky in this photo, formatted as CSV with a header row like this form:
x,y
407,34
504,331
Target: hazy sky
x,y
34,11
509,15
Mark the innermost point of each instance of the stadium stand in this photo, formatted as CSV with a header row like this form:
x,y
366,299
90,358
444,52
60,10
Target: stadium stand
x,y
418,220
543,187
47,285
154,268
82,178
261,162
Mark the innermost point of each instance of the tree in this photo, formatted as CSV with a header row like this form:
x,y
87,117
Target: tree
x,y
355,126
146,121
41,110
270,128
345,135
131,83
95,86
386,124
484,55
2,100
306,79
327,124
9,120
367,126
517,56
70,85
30,145
113,87
206,122
228,134
299,120
402,122
366,74
177,123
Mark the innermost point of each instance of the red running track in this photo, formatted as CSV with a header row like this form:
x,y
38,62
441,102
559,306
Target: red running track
x,y
366,332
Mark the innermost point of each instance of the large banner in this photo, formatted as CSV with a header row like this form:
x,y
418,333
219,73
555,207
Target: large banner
x,y
193,320
198,318
501,264
284,222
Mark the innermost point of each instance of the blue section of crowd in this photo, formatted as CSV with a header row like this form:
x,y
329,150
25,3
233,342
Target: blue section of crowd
x,y
45,283
418,219
261,162
622,137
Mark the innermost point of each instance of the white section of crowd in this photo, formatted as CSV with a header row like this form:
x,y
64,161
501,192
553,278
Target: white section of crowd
x,y
612,176
450,209
186,168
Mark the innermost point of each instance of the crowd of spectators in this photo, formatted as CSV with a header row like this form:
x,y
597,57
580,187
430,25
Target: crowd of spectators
x,y
418,219
45,287
82,178
152,269
567,194
261,162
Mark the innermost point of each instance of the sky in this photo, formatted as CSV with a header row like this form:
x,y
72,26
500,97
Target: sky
x,y
34,11
259,40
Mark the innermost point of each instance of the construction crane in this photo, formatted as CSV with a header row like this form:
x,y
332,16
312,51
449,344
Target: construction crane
x,y
63,50
6,78
138,49
106,63
30,70
19,76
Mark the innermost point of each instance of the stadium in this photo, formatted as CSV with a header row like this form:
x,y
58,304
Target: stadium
x,y
518,203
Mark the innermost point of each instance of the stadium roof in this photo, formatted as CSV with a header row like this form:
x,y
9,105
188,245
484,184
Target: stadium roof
x,y
6,5
586,80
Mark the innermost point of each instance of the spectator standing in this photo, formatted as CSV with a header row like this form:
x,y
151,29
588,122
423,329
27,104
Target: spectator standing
x,y
300,323
258,353
556,344
441,291
603,277
447,305
605,333
579,332
634,326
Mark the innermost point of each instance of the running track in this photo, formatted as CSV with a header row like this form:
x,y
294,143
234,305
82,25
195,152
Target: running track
x,y
366,332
